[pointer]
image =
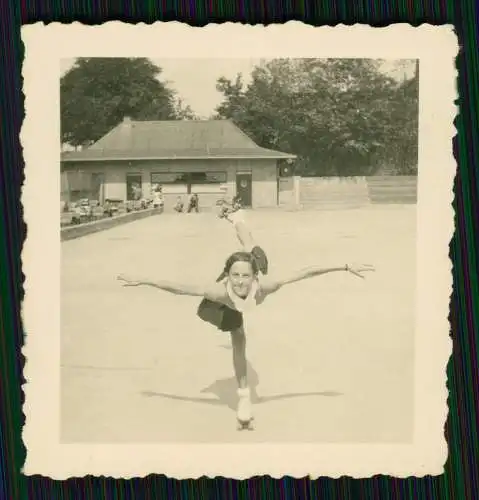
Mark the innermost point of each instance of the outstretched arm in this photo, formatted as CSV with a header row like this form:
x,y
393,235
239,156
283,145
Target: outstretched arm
x,y
167,286
274,285
215,292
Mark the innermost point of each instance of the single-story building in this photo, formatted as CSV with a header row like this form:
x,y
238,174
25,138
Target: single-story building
x,y
212,158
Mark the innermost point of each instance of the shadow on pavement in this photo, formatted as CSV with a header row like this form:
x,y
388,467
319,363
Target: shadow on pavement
x,y
224,391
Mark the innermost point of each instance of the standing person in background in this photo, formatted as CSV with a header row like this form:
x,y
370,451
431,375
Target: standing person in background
x,y
136,192
193,203
158,200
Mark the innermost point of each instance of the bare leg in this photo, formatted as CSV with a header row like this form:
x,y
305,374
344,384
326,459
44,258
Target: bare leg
x,y
249,245
238,342
242,232
244,412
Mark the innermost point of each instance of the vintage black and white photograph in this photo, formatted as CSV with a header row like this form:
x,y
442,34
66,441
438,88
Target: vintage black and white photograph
x,y
238,249
279,184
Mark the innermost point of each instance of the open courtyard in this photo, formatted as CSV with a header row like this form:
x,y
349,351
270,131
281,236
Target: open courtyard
x,y
330,359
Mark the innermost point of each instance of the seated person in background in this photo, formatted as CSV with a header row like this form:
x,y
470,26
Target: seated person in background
x,y
227,208
237,203
107,209
179,205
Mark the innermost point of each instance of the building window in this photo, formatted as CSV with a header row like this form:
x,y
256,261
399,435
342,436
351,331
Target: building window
x,y
169,178
77,185
188,178
208,177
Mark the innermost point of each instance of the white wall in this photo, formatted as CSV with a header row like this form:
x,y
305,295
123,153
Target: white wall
x,y
265,185
264,190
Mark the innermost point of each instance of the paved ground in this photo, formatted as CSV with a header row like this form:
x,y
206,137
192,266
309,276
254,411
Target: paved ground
x,y
331,359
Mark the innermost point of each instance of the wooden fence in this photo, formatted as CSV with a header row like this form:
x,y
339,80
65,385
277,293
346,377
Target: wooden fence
x,y
352,192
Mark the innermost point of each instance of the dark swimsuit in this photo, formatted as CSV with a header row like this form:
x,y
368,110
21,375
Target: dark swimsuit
x,y
223,317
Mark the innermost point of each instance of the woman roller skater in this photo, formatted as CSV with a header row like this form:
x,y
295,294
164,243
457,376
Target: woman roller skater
x,y
242,285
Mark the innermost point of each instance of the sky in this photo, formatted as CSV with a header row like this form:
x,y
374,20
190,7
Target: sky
x,y
195,79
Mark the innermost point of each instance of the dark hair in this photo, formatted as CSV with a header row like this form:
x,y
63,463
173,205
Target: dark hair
x,y
239,257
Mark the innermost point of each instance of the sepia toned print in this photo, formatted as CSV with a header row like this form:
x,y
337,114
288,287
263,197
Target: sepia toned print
x,y
244,257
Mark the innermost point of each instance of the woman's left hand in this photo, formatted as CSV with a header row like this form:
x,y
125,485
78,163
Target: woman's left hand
x,y
359,269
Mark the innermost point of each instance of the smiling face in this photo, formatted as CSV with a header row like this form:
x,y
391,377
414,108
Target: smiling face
x,y
241,276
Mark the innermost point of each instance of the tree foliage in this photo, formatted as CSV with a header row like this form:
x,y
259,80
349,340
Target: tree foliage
x,y
340,116
183,111
97,93
401,148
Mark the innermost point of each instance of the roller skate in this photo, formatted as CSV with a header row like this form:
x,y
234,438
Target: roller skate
x,y
244,413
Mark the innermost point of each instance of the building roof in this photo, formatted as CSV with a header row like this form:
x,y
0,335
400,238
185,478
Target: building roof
x,y
167,140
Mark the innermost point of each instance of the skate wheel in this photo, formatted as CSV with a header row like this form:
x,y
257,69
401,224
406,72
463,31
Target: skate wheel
x,y
242,426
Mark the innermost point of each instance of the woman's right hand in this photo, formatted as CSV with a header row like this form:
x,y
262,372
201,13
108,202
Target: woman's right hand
x,y
127,282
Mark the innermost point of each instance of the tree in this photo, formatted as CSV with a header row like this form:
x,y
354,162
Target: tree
x,y
234,106
97,93
401,151
183,111
335,114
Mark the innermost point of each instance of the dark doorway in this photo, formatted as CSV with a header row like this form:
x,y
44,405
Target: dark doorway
x,y
98,188
133,187
244,189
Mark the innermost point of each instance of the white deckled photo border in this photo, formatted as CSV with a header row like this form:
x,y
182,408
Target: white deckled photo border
x,y
435,47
